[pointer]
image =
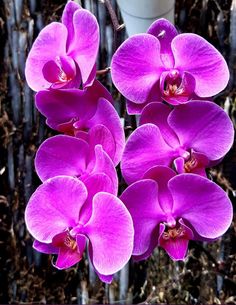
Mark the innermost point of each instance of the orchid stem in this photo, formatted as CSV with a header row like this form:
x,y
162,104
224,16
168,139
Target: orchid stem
x,y
103,71
113,16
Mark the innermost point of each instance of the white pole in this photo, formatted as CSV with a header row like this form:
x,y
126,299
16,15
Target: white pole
x,y
138,15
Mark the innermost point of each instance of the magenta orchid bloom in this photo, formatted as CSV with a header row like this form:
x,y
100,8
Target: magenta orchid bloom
x,y
64,54
191,137
57,217
164,65
87,114
168,210
69,156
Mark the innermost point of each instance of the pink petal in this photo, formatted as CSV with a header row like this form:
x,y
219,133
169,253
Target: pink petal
x,y
100,134
95,183
133,108
199,124
103,164
136,68
110,231
153,244
45,248
84,47
144,149
106,115
195,55
162,174
70,105
61,155
202,203
164,31
67,19
141,199
50,44
157,114
104,278
54,207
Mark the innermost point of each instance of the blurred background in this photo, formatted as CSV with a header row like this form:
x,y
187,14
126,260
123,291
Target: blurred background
x,y
207,276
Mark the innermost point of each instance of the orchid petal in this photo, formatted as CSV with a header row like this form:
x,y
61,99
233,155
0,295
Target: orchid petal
x,y
100,134
202,203
54,207
199,126
61,155
152,245
157,114
195,55
110,231
144,149
103,164
84,47
95,183
104,278
67,19
141,199
45,248
136,68
106,115
162,174
133,108
65,105
164,31
50,43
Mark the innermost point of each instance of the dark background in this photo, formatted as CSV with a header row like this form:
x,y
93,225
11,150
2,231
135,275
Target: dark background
x,y
209,273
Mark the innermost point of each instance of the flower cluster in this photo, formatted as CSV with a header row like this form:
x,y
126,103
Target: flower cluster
x,y
166,78
77,203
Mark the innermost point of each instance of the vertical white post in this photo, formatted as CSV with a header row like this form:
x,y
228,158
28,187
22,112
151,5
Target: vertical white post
x,y
138,15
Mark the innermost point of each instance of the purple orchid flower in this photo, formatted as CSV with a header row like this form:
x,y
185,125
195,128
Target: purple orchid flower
x,y
62,221
168,210
164,65
191,137
87,114
64,54
69,156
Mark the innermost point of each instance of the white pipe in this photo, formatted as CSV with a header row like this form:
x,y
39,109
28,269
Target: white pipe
x,y
138,15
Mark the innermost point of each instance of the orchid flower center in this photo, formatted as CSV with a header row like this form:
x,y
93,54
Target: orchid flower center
x,y
71,127
59,71
64,240
191,164
190,161
195,162
172,233
172,84
70,242
174,239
